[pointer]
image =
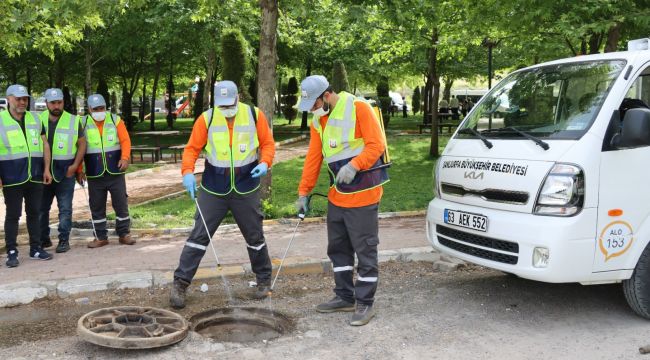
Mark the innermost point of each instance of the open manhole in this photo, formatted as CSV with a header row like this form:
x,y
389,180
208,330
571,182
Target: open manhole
x,y
132,327
241,325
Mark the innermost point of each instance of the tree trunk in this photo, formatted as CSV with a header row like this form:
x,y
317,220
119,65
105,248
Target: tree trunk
x,y
154,89
305,114
278,108
212,63
594,43
583,47
126,108
613,35
29,86
144,96
426,95
59,77
435,82
88,81
446,91
266,71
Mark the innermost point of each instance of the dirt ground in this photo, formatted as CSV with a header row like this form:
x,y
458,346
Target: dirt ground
x,y
472,313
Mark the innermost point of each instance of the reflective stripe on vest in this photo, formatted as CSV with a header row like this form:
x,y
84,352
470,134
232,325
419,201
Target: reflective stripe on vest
x,y
21,154
339,146
228,166
64,142
104,151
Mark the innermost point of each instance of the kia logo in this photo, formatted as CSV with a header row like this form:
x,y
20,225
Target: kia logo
x,y
474,175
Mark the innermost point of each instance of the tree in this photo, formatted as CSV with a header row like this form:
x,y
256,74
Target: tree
x,y
384,99
234,60
267,70
171,105
197,108
290,99
416,100
102,89
339,77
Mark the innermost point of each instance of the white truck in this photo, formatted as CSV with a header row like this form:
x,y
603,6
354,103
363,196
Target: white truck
x,y
548,177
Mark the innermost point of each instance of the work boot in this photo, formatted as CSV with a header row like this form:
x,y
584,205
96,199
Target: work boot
x,y
47,243
63,246
262,290
362,315
334,305
97,243
12,259
177,294
127,240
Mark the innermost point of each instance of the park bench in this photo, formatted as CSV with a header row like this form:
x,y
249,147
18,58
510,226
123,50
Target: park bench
x,y
444,121
153,150
177,150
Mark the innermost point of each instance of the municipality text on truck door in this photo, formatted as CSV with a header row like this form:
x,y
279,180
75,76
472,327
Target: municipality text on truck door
x,y
548,177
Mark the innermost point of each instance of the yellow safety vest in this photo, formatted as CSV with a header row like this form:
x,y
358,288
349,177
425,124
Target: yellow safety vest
x,y
104,152
228,167
339,146
21,154
64,144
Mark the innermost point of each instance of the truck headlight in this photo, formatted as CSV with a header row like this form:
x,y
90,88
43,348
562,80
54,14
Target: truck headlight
x,y
562,193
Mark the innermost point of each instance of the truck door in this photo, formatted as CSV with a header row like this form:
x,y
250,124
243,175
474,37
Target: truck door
x,y
624,196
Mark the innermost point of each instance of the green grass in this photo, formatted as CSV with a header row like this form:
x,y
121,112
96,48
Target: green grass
x,y
410,188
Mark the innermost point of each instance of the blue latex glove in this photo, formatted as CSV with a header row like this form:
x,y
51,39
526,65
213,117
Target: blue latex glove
x,y
259,170
189,181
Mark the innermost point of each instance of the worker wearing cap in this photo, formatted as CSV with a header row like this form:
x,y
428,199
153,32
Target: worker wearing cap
x,y
66,139
346,134
24,168
106,160
239,149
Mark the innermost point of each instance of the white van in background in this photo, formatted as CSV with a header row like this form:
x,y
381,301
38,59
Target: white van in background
x,y
547,177
4,105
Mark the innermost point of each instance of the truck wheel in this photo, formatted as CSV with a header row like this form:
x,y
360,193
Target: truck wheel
x,y
637,287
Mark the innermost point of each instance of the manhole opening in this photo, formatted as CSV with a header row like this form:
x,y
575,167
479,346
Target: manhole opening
x,y
241,325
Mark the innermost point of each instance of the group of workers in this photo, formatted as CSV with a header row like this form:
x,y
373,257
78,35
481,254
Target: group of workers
x,y
41,156
239,148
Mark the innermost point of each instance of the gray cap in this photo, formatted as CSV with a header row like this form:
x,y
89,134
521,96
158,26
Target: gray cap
x,y
225,93
310,89
53,94
96,100
17,91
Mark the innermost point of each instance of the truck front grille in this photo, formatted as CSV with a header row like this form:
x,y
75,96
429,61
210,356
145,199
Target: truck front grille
x,y
447,237
493,195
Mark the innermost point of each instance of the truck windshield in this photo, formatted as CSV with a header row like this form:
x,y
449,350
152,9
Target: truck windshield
x,y
554,102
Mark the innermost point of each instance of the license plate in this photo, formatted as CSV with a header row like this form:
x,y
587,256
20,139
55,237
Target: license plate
x,y
466,220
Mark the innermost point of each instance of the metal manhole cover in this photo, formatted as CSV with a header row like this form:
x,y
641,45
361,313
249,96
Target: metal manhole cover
x,y
132,327
241,325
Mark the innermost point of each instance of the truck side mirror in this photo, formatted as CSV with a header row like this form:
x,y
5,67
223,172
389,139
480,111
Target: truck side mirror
x,y
636,130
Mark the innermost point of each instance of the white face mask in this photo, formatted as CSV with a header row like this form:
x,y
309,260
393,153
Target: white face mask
x,y
99,115
320,112
230,112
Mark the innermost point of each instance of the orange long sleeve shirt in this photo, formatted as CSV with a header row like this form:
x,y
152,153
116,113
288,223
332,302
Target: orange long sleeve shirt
x,y
199,139
366,128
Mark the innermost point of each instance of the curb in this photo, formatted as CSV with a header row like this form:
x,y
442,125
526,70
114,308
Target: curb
x,y
291,140
26,292
186,230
